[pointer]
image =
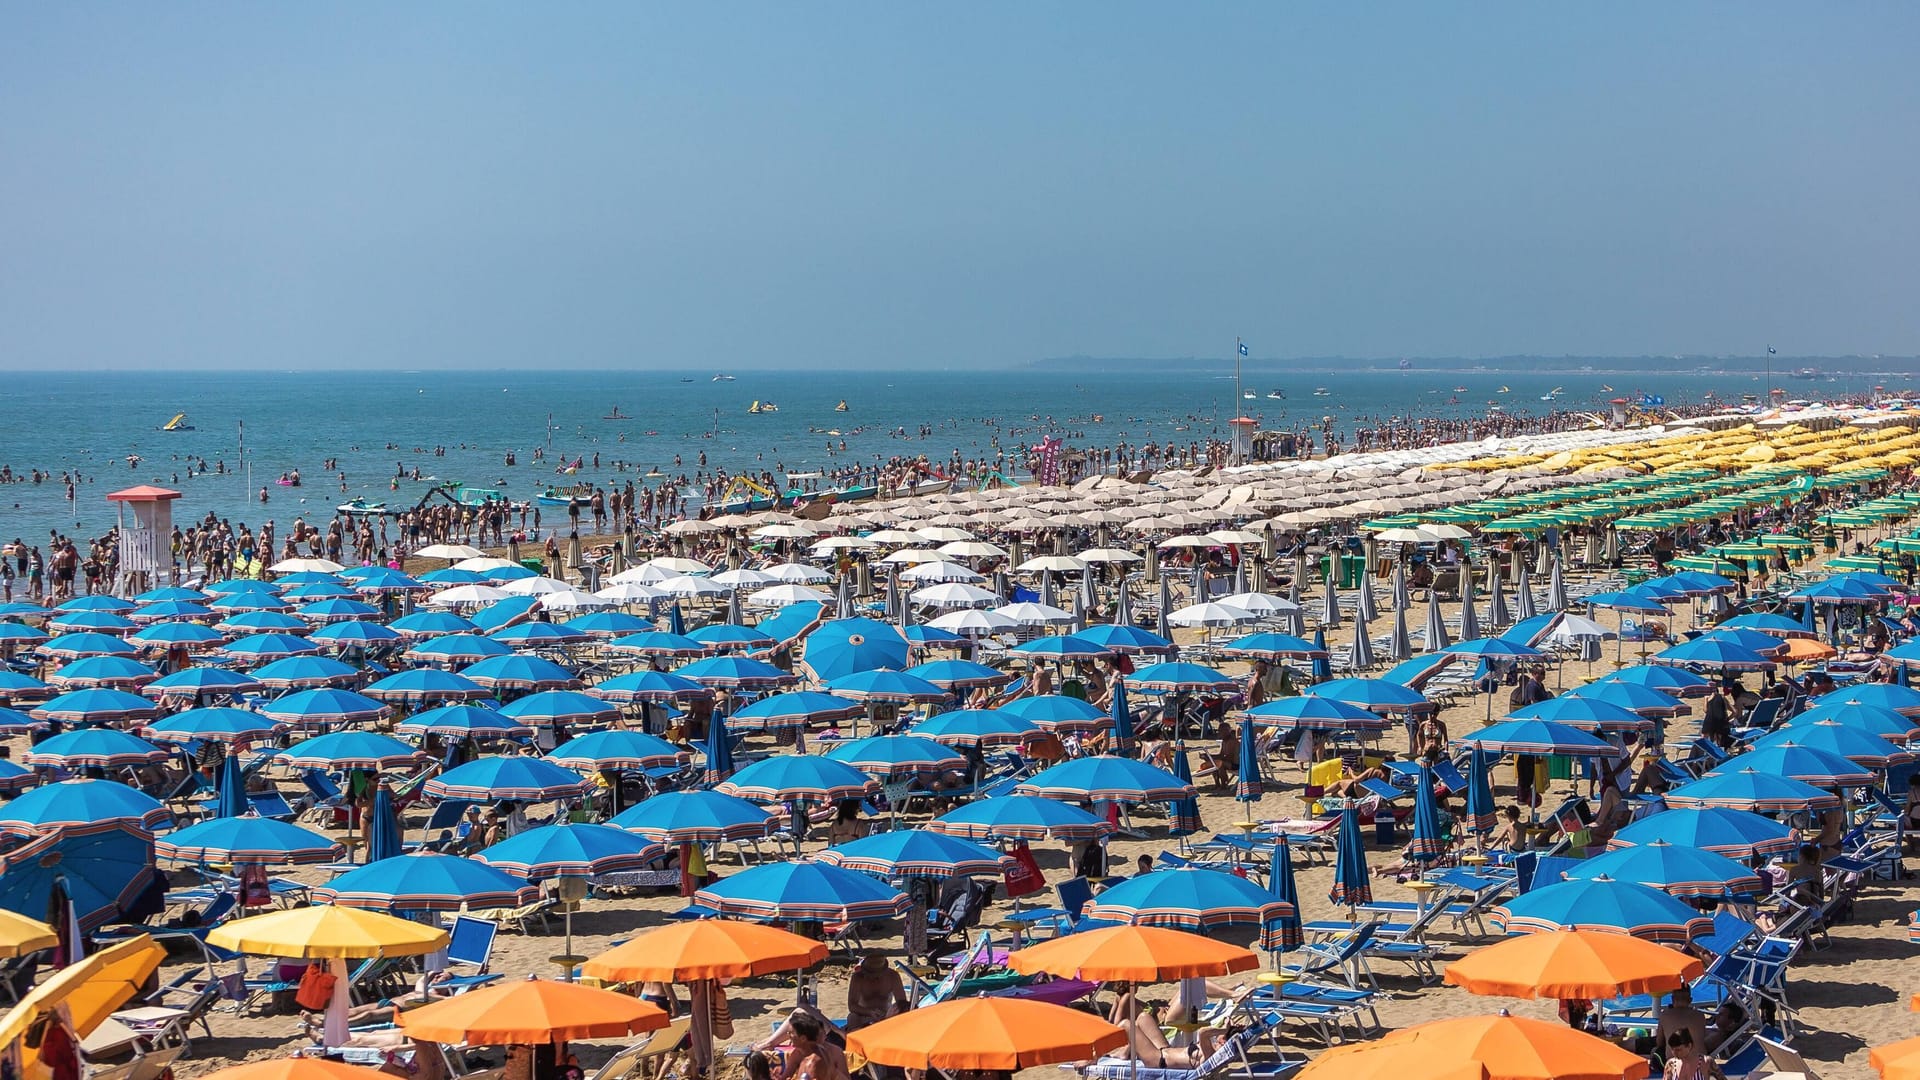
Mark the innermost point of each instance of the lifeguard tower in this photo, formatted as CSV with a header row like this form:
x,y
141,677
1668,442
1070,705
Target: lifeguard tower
x,y
1243,428
145,529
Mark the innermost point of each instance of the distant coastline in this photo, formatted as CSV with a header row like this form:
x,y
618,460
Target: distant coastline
x,y
1783,366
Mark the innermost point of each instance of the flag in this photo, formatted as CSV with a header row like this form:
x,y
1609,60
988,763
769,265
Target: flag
x,y
1770,351
1243,348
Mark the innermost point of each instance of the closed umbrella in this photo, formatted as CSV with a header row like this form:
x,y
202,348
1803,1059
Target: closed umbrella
x,y
1427,844
1469,618
383,827
1360,657
1557,588
1498,617
1249,786
1400,643
1368,607
1402,599
1435,634
1523,606
1352,883
1284,933
1123,737
1160,624
1330,600
1183,814
719,749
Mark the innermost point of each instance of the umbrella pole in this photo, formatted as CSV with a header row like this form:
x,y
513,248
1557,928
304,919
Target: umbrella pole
x,y
336,1031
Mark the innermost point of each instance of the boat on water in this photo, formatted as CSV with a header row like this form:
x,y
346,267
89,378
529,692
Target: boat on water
x,y
763,407
842,407
759,498
1805,373
1605,389
1551,394
361,506
1503,390
1459,389
1276,394
1321,391
616,414
723,377
178,423
564,496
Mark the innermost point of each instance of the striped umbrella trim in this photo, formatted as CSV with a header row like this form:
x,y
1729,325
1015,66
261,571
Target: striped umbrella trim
x,y
810,912
913,867
371,764
1425,849
1537,749
707,834
1282,935
1758,806
311,719
605,864
96,716
525,684
164,849
447,694
1185,818
485,793
748,682
1715,665
882,767
622,761
824,794
1481,823
630,697
1349,896
14,785
1014,831
1178,687
1663,933
20,827
1189,918
97,761
1289,723
1249,790
395,902
1077,725
288,682
1134,795
998,738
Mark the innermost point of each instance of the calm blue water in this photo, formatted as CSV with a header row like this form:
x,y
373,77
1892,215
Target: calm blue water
x,y
91,422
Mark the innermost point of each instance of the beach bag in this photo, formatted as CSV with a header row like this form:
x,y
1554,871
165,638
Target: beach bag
x,y
316,989
1023,878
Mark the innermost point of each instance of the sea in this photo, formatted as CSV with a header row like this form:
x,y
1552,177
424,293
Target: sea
x,y
459,426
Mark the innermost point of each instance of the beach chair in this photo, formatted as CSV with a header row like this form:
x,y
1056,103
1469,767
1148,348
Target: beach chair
x,y
323,798
1782,1061
643,1060
270,804
1344,956
448,817
469,947
1233,1050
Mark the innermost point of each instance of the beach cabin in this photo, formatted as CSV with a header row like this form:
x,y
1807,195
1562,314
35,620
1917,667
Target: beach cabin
x,y
145,528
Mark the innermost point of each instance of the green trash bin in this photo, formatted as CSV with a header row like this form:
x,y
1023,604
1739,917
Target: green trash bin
x,y
1353,570
1559,767
537,564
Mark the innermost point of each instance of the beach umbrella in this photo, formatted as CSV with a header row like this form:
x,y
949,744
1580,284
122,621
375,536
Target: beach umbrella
x,y
1399,642
959,674
570,850
383,579
332,611
1020,817
99,871
97,748
116,671
97,705
1736,834
1469,618
1605,905
1896,1061
531,1012
306,672
973,622
1062,647
1498,617
696,817
1187,898
1352,883
1557,588
616,748
803,892
1330,601
798,777
15,686
1308,713
1112,779
986,1033
383,826
886,686
1373,695
432,623
1056,712
895,755
738,673
977,728
1427,844
659,643
1367,608
231,586
21,936
795,709
1132,953
916,853
1435,634
18,634
260,648
1634,697
1885,723
718,749
1273,647
354,633
549,708
1573,965
465,722
607,624
426,881
539,635
730,636
1751,789
519,672
75,646
1779,626
247,841
1538,738
649,686
1478,815
457,648
1248,786
81,804
427,684
1160,625
264,622
1866,750
1283,933
350,750
1183,814
250,601
1360,657
226,726
104,622
1686,872
15,778
1901,699
169,594
1668,680
491,779
323,708
231,789
1796,762
97,602
1523,607
1180,677
1586,713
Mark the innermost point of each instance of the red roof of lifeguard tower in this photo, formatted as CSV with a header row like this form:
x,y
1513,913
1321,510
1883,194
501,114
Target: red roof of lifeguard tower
x,y
143,493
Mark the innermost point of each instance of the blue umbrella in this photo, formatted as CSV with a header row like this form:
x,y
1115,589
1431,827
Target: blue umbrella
x,y
316,591
250,601
1866,750
1322,664
1841,591
796,709
427,684
1796,762
520,673
303,672
539,635
211,725
1712,654
1900,699
736,673
1750,789
607,624
1585,713
676,622
15,685
929,636
1249,786
1885,723
95,602
97,748
1751,640
337,611
16,778
696,817
490,779
1604,905
1183,813
1352,884
164,635
1274,647
251,841
13,633
896,755
448,576
198,682
95,706
727,637
323,708
170,593
719,749
1737,834
1539,738
428,623
653,686
1427,843
102,871
1479,811
105,622
81,804
1308,713
74,646
1636,601
1179,677
916,853
1122,638
617,748
426,881
977,728
1188,898
803,892
1113,779
263,647
232,790
1373,695
1021,817
1636,698
1056,712
799,777
384,579
1123,737
15,722
263,622
550,707
459,649
842,647
1063,647
959,674
465,722
552,851
383,827
238,585
1685,872
1282,934
881,685
104,671
355,633
1494,648
350,750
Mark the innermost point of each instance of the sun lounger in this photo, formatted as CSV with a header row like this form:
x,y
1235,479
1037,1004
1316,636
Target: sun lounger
x,y
1231,1051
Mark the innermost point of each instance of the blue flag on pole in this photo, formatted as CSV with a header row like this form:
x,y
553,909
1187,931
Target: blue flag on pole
x,y
1243,348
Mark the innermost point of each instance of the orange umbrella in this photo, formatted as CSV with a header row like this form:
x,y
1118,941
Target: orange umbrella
x,y
705,949
1576,964
532,1012
1134,954
1803,650
299,1068
1897,1061
1506,1047
1005,1034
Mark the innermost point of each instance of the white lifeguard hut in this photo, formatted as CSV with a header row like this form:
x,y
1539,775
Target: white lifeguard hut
x,y
145,529
1243,428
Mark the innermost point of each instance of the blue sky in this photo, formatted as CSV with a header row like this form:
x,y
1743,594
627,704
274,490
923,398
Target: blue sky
x,y
893,185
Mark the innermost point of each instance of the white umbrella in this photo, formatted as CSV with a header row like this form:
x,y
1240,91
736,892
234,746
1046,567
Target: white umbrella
x,y
1234,537
1573,628
786,530
743,578
894,536
573,600
694,526
850,543
1029,614
782,595
973,622
692,588
629,592
1188,541
467,594
955,594
449,551
675,565
1113,555
933,572
1211,614
1052,564
1405,535
306,566
794,573
972,549
483,563
943,534
910,556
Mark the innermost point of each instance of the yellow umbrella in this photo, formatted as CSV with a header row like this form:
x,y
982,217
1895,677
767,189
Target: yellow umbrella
x,y
91,990
334,934
20,935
